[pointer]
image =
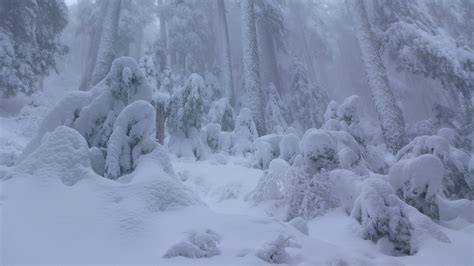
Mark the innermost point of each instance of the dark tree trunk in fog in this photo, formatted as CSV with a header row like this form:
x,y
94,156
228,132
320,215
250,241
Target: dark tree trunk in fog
x,y
160,123
164,40
389,114
93,48
108,38
227,61
251,73
268,57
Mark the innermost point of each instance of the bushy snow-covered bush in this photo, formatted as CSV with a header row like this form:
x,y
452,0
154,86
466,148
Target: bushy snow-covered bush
x,y
221,112
289,147
244,134
196,245
308,196
276,111
417,181
274,252
273,185
211,133
456,180
133,135
378,210
263,154
225,142
319,152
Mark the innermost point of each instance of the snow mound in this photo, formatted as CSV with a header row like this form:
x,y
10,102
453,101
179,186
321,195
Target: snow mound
x,y
63,153
196,245
274,252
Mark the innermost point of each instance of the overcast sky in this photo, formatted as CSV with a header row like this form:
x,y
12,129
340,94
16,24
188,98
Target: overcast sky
x,y
70,2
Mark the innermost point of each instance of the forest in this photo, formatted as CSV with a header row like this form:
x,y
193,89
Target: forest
x,y
237,132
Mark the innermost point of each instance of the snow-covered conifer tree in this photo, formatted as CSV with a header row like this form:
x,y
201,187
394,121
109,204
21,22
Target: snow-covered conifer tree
x,y
307,102
389,114
275,111
252,84
29,43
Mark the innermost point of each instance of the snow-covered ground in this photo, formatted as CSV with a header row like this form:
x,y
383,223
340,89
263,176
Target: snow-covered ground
x,y
46,222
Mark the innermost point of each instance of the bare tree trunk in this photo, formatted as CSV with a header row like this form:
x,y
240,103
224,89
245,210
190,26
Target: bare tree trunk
x,y
108,38
160,123
227,60
251,73
390,115
93,49
164,41
268,56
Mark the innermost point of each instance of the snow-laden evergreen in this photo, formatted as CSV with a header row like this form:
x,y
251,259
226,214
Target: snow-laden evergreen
x,y
133,135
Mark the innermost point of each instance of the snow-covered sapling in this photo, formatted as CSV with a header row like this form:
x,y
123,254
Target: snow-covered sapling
x,y
289,147
133,135
381,216
245,132
417,181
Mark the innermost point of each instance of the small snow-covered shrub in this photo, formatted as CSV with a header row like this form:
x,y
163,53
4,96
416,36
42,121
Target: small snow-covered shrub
x,y
225,142
273,185
133,135
456,179
319,152
221,112
263,154
244,134
275,111
308,196
417,181
196,245
331,111
382,217
211,134
274,252
289,147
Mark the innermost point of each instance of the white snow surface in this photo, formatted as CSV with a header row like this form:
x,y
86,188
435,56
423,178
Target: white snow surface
x,y
55,210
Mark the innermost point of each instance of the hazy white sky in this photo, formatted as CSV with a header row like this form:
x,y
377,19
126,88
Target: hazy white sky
x,y
70,2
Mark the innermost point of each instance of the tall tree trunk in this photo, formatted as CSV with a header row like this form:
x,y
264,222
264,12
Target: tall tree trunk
x,y
164,41
160,122
390,115
108,38
93,49
227,60
251,73
268,57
